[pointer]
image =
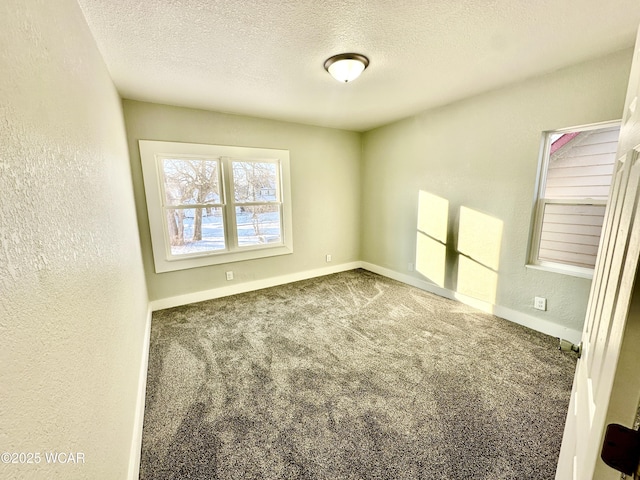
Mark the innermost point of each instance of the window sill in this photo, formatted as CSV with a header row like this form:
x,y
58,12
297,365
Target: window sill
x,y
564,270
165,265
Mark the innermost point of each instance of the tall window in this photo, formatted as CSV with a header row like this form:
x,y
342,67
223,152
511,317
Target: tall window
x,y
211,204
573,188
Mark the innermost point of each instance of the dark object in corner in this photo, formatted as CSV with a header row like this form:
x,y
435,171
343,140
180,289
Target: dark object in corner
x,y
621,448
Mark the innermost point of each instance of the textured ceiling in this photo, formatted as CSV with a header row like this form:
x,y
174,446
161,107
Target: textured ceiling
x,y
265,58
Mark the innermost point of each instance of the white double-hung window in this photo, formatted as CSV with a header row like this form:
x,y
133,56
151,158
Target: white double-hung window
x,y
576,169
212,204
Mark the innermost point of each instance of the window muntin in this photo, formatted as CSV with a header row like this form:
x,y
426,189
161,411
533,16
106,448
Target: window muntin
x,y
211,204
575,178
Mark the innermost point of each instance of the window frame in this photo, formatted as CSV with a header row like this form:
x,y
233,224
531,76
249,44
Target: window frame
x,y
152,154
540,202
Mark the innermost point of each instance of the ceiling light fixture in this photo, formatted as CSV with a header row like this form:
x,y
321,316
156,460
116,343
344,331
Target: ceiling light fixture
x,y
346,66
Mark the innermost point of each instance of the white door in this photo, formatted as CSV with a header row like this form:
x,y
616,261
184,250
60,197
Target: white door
x,y
609,302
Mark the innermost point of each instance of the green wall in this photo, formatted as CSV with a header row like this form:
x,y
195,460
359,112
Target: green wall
x,y
325,183
476,163
73,301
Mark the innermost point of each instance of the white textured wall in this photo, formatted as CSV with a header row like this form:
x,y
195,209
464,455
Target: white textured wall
x,y
325,184
73,301
480,155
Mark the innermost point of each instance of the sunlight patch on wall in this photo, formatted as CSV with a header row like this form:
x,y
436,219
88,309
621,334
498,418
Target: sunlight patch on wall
x,y
433,216
430,258
476,280
479,243
431,241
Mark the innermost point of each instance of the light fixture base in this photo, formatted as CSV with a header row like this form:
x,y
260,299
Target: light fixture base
x,y
346,67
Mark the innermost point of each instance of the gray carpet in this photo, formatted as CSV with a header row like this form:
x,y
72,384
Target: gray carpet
x,y
350,376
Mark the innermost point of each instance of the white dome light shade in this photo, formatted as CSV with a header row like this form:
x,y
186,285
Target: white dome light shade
x,y
346,66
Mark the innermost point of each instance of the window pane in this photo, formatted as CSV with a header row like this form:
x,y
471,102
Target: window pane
x,y
190,181
194,230
581,164
571,233
255,181
258,225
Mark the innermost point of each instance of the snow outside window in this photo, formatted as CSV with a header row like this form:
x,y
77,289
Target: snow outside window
x,y
212,204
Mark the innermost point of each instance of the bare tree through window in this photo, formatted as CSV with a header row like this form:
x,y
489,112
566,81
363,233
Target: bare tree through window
x,y
257,203
192,191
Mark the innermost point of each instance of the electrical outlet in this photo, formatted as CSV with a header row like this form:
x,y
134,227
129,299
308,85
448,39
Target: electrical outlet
x,y
328,258
229,275
540,303
411,267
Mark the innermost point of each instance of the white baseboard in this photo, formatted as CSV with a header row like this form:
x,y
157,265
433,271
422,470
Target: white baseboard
x,y
408,279
529,321
225,291
535,323
538,324
136,440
